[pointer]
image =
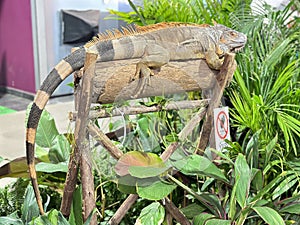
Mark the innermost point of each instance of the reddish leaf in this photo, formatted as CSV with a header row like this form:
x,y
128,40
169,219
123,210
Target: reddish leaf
x,y
136,158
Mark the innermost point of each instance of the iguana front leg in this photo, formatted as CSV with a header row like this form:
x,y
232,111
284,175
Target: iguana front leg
x,y
153,59
214,58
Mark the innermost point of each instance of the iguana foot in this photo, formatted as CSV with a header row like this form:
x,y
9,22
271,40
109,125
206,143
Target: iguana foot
x,y
143,74
213,60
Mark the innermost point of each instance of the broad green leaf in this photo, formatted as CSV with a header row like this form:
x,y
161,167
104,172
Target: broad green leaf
x,y
46,131
192,210
153,214
140,159
218,222
127,184
242,179
292,208
155,191
52,217
60,150
147,139
52,168
202,218
270,216
42,153
76,208
11,219
30,207
144,172
196,164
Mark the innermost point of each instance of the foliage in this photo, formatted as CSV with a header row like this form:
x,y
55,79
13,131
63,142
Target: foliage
x,y
29,213
266,89
195,11
12,197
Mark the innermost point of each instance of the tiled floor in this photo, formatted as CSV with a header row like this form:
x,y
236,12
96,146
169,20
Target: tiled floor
x,y
13,101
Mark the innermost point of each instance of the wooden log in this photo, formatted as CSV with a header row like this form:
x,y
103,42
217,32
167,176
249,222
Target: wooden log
x,y
112,79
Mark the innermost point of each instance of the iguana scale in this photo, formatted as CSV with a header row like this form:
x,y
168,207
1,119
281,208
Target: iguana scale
x,y
155,44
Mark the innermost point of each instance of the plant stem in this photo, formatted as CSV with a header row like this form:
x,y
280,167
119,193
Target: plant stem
x,y
198,197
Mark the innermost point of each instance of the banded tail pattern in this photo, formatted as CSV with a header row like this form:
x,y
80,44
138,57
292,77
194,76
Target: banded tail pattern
x,y
62,70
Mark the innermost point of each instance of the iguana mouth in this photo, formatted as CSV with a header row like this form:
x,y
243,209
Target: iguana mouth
x,y
237,49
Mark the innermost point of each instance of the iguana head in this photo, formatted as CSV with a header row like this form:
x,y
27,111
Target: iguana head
x,y
230,40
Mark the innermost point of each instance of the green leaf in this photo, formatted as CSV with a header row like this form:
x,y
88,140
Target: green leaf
x,y
153,214
242,179
30,207
285,185
267,188
52,217
144,172
156,191
202,218
42,153
11,219
218,222
270,216
52,168
192,210
46,131
269,149
251,149
257,179
147,139
60,149
292,208
196,164
76,208
140,159
127,184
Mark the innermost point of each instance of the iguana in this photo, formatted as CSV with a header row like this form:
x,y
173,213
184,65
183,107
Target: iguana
x,y
155,45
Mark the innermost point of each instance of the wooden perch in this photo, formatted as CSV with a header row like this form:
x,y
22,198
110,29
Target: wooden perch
x,y
112,84
112,79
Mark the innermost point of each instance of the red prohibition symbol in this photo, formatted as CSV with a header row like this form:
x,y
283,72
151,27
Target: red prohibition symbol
x,y
222,125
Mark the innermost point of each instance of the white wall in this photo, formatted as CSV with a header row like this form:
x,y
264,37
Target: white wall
x,y
47,32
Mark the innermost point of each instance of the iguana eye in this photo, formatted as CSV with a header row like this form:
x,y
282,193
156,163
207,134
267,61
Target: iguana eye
x,y
232,33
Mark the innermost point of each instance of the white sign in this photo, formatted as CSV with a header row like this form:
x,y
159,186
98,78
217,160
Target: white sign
x,y
221,126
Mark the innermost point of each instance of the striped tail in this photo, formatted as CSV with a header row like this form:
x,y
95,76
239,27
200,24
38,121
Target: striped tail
x,y
62,70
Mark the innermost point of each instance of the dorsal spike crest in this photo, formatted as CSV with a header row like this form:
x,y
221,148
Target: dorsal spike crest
x,y
131,30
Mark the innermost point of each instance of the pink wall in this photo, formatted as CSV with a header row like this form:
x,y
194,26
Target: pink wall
x,y
16,47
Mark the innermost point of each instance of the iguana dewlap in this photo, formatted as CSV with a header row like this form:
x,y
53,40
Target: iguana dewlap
x,y
156,45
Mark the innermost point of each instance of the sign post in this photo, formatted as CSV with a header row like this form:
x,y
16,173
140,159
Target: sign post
x,y
221,126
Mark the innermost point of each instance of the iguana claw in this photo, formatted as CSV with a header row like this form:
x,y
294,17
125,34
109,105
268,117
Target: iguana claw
x,y
143,74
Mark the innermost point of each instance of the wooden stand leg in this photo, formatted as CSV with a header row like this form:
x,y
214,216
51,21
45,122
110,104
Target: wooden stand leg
x,y
81,148
223,78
